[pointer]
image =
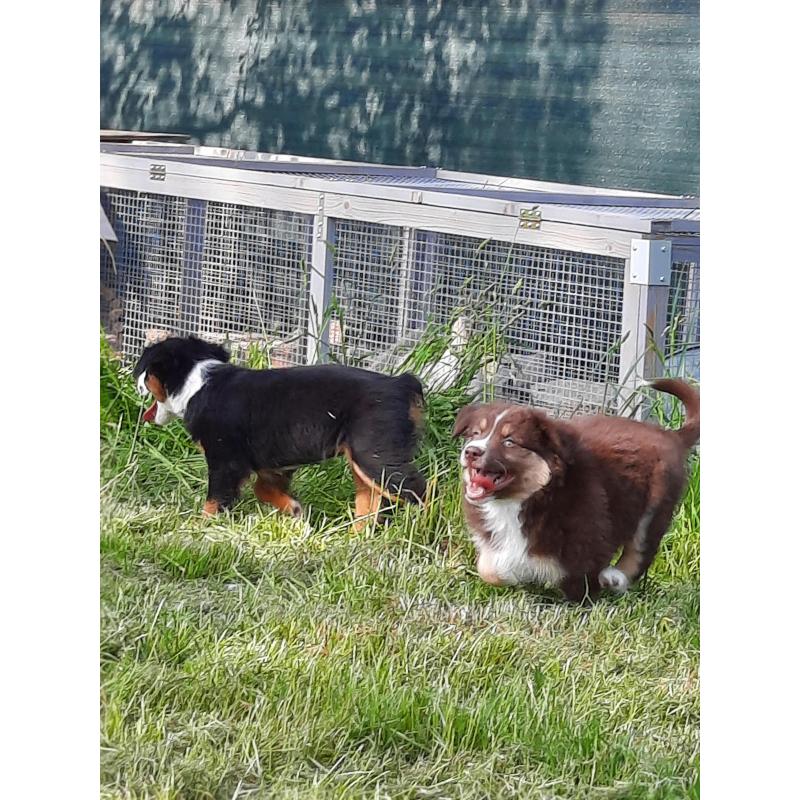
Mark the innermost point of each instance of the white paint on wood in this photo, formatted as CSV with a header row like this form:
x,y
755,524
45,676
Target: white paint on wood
x,y
467,199
320,285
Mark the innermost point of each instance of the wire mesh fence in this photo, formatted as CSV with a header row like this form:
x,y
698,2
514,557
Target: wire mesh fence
x,y
239,275
559,312
229,273
367,272
682,337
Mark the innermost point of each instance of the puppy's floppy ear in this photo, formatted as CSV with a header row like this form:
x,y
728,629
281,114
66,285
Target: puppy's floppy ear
x,y
464,420
540,433
153,377
552,442
559,442
161,365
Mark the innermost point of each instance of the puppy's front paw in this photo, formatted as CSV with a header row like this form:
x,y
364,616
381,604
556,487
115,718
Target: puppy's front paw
x,y
486,569
294,509
211,508
614,579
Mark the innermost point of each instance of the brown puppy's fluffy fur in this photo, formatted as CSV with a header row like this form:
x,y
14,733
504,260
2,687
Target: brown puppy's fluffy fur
x,y
550,500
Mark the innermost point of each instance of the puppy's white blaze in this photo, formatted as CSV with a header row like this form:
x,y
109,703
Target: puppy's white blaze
x,y
140,385
614,579
483,442
506,554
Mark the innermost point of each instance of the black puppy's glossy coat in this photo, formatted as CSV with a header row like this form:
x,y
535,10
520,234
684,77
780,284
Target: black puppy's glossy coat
x,y
272,421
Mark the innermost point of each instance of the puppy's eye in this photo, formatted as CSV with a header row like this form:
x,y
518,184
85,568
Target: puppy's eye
x,y
508,442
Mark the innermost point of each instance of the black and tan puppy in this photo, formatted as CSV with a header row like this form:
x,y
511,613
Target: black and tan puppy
x,y
270,422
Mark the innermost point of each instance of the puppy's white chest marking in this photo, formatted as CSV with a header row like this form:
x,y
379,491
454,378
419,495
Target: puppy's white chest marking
x,y
505,557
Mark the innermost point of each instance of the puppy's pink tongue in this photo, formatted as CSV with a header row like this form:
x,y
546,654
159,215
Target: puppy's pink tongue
x,y
150,414
484,481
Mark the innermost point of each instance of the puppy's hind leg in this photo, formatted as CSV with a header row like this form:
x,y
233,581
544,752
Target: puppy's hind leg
x,y
639,552
272,487
368,498
406,484
614,579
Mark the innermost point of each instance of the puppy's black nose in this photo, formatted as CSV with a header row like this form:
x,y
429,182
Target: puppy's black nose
x,y
473,453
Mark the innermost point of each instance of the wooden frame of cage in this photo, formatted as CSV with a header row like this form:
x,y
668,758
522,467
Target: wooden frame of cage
x,y
537,213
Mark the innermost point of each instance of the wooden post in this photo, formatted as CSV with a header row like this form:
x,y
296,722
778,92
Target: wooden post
x,y
644,316
320,284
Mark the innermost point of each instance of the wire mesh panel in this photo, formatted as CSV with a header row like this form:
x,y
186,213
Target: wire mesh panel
x,y
682,338
228,273
146,281
367,265
547,321
254,278
559,313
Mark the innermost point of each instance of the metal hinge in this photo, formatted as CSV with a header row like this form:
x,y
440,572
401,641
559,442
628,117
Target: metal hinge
x,y
158,172
530,218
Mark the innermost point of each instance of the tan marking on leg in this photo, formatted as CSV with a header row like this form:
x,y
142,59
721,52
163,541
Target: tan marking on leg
x,y
268,492
156,388
629,560
365,479
210,508
368,500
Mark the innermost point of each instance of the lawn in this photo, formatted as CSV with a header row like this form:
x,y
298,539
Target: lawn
x,y
257,656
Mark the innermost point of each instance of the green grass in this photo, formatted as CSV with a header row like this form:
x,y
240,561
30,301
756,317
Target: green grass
x,y
257,656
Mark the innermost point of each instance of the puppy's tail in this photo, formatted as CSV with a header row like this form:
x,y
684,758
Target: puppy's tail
x,y
403,483
690,397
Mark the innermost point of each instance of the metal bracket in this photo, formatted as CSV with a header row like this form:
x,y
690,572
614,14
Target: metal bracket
x,y
158,172
651,262
320,217
530,218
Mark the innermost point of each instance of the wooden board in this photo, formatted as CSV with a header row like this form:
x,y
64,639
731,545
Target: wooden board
x,y
142,136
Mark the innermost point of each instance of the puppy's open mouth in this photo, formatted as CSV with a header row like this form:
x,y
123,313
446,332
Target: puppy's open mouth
x,y
482,483
150,414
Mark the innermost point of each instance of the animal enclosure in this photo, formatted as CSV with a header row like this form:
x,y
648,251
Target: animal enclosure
x,y
590,290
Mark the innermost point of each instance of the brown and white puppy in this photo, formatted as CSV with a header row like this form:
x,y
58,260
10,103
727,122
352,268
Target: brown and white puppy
x,y
551,501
